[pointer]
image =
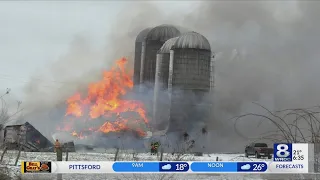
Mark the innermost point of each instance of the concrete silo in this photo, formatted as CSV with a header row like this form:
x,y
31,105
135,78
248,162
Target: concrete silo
x,y
154,41
190,76
161,106
137,56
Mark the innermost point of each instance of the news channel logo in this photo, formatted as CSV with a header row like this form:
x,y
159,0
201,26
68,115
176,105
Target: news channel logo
x,y
282,152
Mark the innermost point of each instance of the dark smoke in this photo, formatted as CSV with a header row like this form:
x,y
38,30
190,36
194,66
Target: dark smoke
x,y
266,52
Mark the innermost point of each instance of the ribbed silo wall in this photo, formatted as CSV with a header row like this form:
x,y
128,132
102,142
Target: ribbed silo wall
x,y
137,63
161,101
212,75
163,70
190,81
142,60
149,63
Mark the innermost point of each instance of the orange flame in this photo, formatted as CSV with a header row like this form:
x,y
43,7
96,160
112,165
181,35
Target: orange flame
x,y
80,136
104,98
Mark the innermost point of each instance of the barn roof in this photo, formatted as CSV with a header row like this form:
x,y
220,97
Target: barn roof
x,y
16,122
41,121
45,142
20,122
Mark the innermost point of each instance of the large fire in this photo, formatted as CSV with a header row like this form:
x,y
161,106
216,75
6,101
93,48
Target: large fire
x,y
105,99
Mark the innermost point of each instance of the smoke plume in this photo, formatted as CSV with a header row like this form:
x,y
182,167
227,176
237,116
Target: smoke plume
x,y
266,52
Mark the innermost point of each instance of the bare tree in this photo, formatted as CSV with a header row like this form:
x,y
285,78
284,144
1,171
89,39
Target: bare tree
x,y
5,115
298,125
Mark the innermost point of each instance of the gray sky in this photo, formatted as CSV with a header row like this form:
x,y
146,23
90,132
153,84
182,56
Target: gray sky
x,y
35,34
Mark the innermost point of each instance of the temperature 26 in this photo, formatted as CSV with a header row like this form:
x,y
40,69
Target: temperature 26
x,y
252,166
258,167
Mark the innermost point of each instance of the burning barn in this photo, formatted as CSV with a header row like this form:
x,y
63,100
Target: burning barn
x,y
26,135
106,111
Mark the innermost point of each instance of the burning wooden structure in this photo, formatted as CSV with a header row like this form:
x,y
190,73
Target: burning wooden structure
x,y
26,136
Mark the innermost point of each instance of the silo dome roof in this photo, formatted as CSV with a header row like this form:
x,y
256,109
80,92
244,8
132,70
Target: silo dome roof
x,y
167,45
143,34
163,33
192,40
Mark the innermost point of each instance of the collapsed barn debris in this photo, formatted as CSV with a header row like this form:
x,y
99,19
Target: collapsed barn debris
x,y
28,138
25,135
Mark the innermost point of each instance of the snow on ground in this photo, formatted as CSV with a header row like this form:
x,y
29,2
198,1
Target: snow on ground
x,y
10,157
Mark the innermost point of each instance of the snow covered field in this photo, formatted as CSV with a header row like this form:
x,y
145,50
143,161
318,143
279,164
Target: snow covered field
x,y
10,157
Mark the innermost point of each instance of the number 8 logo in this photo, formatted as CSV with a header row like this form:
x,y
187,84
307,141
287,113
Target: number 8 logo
x,y
282,150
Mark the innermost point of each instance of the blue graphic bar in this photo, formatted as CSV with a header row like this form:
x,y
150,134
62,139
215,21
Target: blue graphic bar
x,y
150,166
228,167
214,166
174,167
252,167
136,167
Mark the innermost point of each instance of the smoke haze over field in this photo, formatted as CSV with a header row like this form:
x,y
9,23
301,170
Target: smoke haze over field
x,y
265,52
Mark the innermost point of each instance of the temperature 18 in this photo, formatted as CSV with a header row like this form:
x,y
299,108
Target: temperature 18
x,y
180,167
